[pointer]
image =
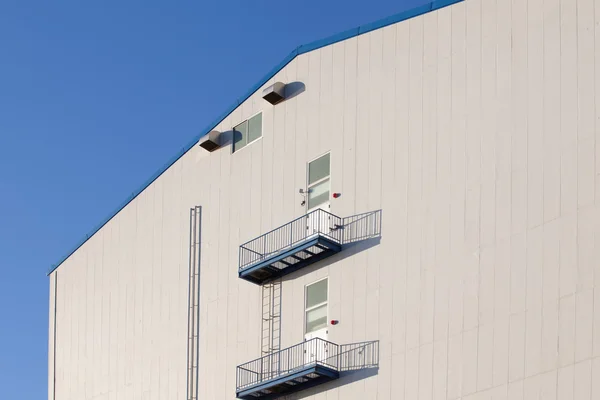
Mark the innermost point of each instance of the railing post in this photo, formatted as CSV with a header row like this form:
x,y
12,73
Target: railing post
x,y
320,219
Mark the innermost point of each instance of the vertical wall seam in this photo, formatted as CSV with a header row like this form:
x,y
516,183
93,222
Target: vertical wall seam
x,y
409,28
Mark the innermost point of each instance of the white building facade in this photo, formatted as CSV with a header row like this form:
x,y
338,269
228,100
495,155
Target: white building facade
x,y
407,210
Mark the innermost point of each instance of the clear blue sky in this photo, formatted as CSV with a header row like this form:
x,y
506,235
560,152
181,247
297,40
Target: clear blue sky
x,y
94,98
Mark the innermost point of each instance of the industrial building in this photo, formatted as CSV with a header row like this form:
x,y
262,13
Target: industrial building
x,y
406,210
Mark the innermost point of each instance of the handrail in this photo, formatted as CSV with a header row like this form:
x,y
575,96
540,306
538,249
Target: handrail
x,y
288,348
315,351
316,223
306,354
292,221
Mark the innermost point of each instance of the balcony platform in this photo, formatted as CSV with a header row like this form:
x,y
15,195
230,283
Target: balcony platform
x,y
294,381
291,259
302,366
302,242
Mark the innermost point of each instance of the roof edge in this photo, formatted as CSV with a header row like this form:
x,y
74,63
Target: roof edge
x,y
317,44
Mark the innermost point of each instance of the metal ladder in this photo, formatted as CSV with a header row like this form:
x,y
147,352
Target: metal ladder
x,y
193,343
271,326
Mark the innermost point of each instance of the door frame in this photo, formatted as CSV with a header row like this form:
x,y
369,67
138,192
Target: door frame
x,y
308,185
316,306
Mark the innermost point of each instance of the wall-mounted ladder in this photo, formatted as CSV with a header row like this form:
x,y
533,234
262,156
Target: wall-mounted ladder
x,y
193,342
271,324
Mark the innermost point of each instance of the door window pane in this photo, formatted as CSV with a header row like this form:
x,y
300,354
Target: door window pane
x,y
240,136
316,293
318,169
255,128
316,319
318,194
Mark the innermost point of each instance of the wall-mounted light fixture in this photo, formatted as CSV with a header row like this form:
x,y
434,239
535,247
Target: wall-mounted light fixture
x,y
303,193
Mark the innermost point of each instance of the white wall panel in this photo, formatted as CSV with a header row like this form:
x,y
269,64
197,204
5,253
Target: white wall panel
x,y
473,128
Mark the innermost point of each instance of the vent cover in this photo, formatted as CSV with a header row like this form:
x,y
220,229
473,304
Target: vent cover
x,y
274,93
210,142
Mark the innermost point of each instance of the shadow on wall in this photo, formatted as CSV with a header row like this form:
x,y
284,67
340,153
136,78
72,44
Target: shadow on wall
x,y
346,378
358,361
226,138
293,89
359,356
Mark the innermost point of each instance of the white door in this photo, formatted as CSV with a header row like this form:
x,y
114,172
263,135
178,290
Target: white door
x,y
315,321
319,185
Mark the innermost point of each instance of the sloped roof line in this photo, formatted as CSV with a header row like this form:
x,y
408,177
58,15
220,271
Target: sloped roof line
x,y
350,33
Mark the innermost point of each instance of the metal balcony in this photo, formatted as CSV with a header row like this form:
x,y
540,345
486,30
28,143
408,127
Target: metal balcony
x,y
304,241
302,366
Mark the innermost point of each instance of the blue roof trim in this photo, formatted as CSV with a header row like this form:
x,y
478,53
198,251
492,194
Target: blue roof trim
x,y
317,44
414,12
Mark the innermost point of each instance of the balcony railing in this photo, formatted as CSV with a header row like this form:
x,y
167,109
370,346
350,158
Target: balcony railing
x,y
302,366
287,361
303,241
294,245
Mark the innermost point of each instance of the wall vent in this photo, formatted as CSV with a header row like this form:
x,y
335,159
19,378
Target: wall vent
x,y
210,142
274,93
